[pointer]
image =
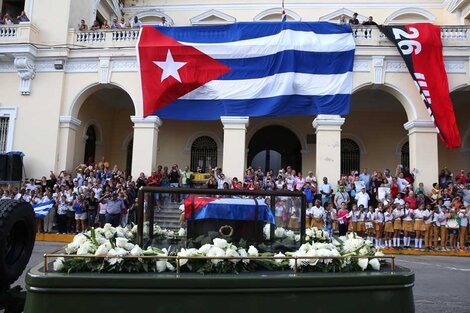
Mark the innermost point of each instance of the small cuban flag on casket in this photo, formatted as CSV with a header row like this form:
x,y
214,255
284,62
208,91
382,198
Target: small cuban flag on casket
x,y
42,209
198,208
246,69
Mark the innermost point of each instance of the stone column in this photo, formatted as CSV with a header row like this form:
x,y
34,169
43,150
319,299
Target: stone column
x,y
424,163
144,154
328,158
234,161
67,140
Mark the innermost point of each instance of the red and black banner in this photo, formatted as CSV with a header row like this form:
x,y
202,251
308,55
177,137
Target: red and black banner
x,y
421,48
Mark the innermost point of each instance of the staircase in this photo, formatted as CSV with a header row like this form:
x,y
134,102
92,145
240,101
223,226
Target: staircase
x,y
168,216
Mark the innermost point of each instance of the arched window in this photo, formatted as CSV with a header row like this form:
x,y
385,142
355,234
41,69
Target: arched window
x,y
203,153
350,156
90,145
405,155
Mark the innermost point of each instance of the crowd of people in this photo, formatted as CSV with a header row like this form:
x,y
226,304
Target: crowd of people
x,y
134,22
388,209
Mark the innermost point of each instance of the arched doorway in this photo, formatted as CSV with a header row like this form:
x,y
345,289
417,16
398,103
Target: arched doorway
x,y
274,147
104,112
90,145
376,119
203,153
350,156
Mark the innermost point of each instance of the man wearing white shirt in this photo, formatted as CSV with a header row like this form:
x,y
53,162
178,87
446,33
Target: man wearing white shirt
x,y
326,191
363,198
402,183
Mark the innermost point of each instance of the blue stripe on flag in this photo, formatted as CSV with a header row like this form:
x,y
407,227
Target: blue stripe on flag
x,y
289,61
247,30
41,210
284,105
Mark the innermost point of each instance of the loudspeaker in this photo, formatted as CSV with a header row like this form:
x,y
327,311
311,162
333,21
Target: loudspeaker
x,y
3,167
15,168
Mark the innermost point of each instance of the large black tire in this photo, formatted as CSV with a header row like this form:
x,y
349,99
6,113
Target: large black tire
x,y
17,236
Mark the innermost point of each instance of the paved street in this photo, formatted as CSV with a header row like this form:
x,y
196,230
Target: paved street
x,y
441,285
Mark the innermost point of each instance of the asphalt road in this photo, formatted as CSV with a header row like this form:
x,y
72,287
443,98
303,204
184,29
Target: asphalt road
x,y
441,283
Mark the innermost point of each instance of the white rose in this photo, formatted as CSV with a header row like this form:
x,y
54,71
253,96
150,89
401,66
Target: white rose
x,y
204,249
121,242
120,232
297,238
289,234
108,234
375,264
363,263
161,266
58,264
243,253
182,232
111,257
267,231
364,251
309,232
107,226
134,229
232,252
79,239
252,251
279,232
311,253
137,251
121,251
215,251
102,250
85,248
279,261
184,252
220,243
72,248
129,246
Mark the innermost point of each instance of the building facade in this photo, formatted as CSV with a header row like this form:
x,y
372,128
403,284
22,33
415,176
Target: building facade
x,y
67,96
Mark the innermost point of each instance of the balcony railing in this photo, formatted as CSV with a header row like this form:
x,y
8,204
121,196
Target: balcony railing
x,y
104,38
20,33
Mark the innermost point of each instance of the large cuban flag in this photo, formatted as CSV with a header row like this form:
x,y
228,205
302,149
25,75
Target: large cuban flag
x,y
246,69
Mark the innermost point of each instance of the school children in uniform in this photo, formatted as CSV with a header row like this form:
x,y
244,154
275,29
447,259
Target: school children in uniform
x,y
379,227
419,227
388,228
361,218
407,225
464,215
398,213
442,218
370,229
428,226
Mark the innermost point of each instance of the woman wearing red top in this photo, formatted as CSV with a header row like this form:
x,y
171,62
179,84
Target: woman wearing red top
x,y
394,188
343,219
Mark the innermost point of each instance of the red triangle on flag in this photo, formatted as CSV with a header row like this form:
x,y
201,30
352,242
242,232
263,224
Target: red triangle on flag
x,y
161,87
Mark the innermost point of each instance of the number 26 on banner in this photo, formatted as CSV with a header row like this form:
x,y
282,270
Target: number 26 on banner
x,y
405,42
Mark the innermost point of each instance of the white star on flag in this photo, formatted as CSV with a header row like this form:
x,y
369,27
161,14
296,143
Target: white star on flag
x,y
170,67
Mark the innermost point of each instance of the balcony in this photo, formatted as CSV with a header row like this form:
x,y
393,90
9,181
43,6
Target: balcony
x,y
104,38
20,33
364,36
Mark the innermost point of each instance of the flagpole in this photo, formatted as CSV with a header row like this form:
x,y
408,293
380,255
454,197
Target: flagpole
x,y
283,12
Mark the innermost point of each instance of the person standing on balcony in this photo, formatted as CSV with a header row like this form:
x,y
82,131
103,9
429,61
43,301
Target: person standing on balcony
x,y
370,21
354,21
136,23
342,20
82,26
22,17
95,25
164,22
7,19
123,23
115,24
105,25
